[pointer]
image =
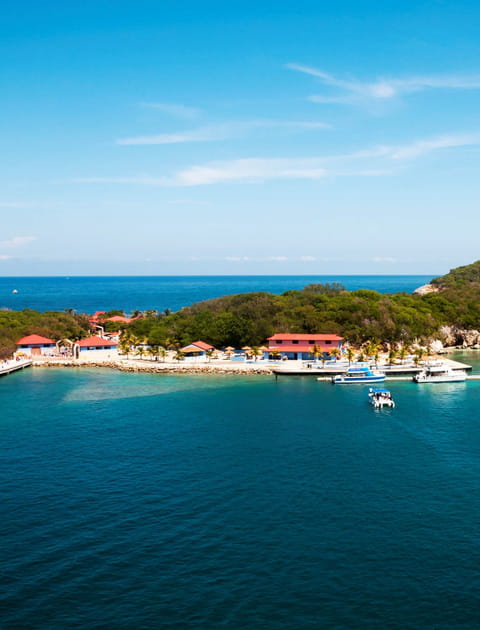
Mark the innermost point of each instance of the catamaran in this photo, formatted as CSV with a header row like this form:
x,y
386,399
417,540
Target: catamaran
x,y
379,398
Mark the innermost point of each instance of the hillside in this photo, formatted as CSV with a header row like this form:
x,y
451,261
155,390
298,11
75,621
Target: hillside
x,y
460,277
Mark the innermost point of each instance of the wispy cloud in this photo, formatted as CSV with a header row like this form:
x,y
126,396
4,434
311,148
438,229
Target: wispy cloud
x,y
307,258
4,257
250,170
188,202
15,204
421,147
383,259
374,161
221,131
175,109
17,241
382,88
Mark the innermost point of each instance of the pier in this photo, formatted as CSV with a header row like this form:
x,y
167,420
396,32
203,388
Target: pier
x,y
397,372
7,367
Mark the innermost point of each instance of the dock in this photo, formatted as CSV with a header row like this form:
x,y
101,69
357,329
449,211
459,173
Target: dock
x,y
7,367
397,372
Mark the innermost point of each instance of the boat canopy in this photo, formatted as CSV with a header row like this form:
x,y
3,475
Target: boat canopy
x,y
358,370
379,390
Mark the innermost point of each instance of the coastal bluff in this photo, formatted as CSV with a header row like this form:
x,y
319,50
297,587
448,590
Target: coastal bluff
x,y
425,289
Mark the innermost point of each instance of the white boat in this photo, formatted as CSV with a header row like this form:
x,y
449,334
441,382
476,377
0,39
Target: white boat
x,y
379,398
358,375
440,374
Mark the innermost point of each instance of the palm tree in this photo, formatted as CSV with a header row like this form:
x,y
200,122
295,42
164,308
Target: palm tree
x,y
316,352
209,353
153,351
179,355
371,348
392,355
419,354
163,353
335,353
350,354
140,351
402,353
255,352
125,342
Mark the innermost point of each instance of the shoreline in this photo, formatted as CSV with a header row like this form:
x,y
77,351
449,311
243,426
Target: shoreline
x,y
228,368
129,365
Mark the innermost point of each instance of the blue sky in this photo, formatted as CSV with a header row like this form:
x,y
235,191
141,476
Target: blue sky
x,y
239,138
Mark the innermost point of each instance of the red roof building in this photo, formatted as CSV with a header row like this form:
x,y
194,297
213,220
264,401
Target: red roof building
x,y
96,343
119,318
35,345
35,340
302,346
197,348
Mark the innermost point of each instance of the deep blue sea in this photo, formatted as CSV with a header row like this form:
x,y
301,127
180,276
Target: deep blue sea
x,y
90,294
142,501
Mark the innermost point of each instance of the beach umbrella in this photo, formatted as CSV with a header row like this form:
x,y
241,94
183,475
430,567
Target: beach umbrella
x,y
246,348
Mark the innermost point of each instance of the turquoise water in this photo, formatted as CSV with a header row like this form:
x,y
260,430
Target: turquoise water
x,y
147,501
90,294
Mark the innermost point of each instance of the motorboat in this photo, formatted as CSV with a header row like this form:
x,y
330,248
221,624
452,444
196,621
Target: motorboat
x,y
440,374
358,375
379,398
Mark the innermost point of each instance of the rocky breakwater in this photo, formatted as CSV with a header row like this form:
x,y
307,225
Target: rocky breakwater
x,y
125,365
223,367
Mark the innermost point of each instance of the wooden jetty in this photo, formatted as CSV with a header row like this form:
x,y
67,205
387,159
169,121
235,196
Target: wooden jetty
x,y
7,367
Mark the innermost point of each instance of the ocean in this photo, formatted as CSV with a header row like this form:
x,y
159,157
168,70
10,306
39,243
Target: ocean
x,y
90,294
206,502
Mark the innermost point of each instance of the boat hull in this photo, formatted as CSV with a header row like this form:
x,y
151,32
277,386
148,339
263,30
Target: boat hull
x,y
440,379
350,380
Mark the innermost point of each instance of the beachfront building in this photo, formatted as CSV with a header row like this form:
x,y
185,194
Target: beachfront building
x,y
95,348
35,345
303,347
197,350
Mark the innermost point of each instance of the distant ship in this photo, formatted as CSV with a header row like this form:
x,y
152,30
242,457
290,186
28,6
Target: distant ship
x,y
15,291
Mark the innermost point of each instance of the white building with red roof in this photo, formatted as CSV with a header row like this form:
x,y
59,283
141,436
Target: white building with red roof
x,y
196,349
35,345
96,348
301,346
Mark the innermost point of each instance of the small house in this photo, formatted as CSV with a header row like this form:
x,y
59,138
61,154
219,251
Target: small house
x,y
96,347
197,349
35,345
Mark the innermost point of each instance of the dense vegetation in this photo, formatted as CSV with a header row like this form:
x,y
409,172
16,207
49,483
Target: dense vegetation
x,y
248,319
460,277
17,324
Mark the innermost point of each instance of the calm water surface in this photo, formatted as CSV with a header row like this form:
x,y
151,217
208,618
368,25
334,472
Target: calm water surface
x,y
90,294
146,501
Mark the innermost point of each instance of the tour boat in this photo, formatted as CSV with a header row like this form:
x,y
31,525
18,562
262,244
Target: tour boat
x,y
358,375
440,374
380,398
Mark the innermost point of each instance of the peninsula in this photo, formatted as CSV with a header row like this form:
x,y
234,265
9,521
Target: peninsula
x,y
371,323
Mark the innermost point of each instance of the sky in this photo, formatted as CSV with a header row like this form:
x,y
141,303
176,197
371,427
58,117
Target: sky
x,y
168,138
